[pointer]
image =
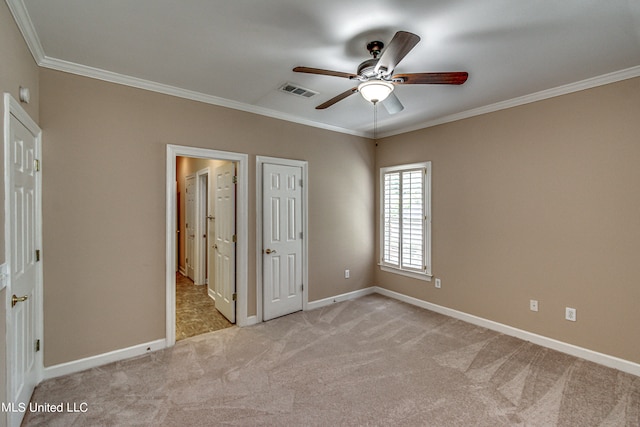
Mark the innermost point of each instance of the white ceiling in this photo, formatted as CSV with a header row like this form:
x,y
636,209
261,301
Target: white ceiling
x,y
238,53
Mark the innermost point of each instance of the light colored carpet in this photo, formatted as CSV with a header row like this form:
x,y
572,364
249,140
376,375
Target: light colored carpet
x,y
371,361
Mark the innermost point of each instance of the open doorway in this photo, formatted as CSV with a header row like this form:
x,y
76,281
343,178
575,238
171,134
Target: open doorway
x,y
206,228
206,238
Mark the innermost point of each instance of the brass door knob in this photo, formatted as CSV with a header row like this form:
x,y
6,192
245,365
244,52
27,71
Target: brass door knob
x,y
269,251
15,299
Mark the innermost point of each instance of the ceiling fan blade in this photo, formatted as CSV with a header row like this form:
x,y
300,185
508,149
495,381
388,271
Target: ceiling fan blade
x,y
452,78
337,98
392,104
310,70
398,47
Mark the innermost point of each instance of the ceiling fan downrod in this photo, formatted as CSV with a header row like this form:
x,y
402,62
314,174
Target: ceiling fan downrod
x,y
374,48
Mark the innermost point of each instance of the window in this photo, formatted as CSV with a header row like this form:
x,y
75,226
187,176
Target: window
x,y
405,228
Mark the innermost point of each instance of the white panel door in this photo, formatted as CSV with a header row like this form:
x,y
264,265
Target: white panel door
x,y
225,241
24,266
282,240
190,226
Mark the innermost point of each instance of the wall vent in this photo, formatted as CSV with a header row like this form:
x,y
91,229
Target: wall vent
x,y
297,90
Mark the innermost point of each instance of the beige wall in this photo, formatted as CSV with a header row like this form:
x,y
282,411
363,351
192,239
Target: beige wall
x,y
17,68
539,202
104,205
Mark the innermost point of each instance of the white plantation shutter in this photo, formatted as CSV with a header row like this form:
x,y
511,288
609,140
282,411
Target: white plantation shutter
x,y
405,217
392,218
412,219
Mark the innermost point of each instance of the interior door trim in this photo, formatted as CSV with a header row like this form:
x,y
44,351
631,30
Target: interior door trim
x,y
260,160
242,231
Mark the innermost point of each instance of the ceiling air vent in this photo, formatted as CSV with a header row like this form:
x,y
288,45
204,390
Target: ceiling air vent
x,y
297,90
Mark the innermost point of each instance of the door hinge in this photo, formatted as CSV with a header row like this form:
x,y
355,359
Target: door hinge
x,y
234,238
37,345
300,183
234,179
302,287
36,165
37,255
234,297
301,234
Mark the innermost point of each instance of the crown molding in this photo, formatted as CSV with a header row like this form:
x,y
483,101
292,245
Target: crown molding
x,y
83,70
590,83
110,76
21,16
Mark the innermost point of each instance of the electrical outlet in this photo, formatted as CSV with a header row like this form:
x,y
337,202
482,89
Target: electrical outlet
x,y
570,314
347,273
438,283
533,305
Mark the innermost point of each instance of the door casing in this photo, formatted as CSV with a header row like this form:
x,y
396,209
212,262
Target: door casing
x,y
242,229
260,160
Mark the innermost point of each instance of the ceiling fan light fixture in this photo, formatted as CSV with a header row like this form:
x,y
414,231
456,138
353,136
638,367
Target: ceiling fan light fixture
x,y
375,90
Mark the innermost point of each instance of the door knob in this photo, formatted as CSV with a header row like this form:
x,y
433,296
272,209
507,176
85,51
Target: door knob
x,y
15,299
269,251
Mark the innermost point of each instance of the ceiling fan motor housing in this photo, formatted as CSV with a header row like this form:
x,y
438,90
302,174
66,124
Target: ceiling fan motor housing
x,y
367,69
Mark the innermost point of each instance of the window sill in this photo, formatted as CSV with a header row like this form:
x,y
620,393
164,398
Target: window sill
x,y
412,274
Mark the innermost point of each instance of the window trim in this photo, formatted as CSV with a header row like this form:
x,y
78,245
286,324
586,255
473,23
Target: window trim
x,y
384,266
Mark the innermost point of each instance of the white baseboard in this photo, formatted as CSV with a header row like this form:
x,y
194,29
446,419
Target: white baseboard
x,y
251,320
573,350
338,298
102,359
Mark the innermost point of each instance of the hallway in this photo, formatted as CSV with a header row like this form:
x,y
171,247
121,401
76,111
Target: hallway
x,y
195,310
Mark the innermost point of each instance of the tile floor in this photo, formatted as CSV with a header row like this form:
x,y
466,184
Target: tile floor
x,y
195,311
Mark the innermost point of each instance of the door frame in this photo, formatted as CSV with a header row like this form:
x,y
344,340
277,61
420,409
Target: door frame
x,y
242,230
303,164
13,108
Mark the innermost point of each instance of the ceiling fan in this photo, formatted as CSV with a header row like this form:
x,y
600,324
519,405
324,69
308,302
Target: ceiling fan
x,y
376,77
